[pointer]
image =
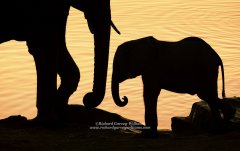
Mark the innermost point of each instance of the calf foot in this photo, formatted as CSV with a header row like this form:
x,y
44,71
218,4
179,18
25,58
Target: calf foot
x,y
228,112
150,133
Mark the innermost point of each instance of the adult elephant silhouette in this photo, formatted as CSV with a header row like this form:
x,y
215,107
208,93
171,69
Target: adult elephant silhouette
x,y
42,24
186,66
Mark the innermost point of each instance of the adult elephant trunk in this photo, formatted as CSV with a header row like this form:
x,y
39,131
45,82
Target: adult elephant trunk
x,y
101,50
115,92
98,16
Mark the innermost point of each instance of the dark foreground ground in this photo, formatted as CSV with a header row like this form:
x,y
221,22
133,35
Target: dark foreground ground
x,y
17,134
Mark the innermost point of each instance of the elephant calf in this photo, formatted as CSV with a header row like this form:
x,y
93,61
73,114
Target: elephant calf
x,y
186,66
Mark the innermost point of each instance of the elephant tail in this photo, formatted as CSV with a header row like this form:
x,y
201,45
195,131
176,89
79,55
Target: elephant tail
x,y
223,79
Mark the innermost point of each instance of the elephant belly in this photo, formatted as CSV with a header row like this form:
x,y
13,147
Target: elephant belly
x,y
189,75
180,87
183,84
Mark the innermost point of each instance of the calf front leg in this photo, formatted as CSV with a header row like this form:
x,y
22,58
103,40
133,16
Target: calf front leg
x,y
150,94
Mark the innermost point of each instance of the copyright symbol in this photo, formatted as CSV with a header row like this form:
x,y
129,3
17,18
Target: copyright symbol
x,y
96,123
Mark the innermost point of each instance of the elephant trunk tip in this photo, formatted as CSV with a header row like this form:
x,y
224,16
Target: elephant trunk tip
x,y
91,100
122,103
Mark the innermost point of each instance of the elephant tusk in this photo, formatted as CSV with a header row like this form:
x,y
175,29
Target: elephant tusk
x,y
115,28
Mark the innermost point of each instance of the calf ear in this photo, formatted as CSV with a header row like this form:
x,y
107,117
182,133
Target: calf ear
x,y
132,67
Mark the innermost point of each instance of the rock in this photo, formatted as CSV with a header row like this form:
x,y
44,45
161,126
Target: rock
x,y
200,118
97,119
182,124
80,116
14,121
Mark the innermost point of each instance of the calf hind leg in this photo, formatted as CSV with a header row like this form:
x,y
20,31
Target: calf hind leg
x,y
213,102
227,110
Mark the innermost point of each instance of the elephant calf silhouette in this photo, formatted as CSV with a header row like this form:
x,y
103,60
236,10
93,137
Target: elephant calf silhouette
x,y
187,66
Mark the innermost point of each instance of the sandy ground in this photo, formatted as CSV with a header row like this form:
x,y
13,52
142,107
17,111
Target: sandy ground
x,y
17,134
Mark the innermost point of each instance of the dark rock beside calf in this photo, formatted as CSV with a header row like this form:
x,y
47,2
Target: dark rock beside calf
x,y
200,118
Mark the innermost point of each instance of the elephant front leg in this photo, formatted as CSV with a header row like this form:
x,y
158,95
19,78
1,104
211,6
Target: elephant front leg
x,y
151,92
46,67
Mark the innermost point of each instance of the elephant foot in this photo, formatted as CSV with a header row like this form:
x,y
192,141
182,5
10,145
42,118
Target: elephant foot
x,y
228,112
61,111
218,127
150,133
218,130
49,121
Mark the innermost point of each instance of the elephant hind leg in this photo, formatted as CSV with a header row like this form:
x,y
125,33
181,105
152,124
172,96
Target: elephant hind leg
x,y
69,75
210,96
227,110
